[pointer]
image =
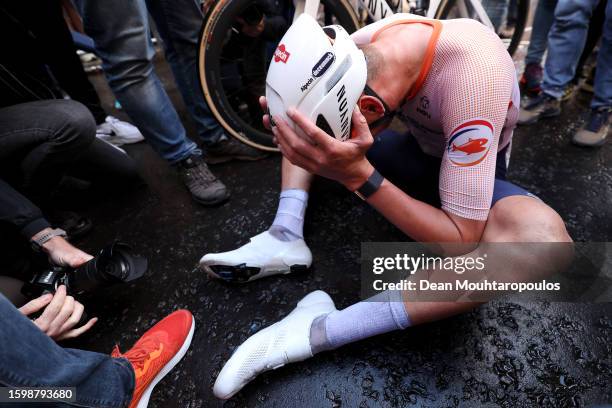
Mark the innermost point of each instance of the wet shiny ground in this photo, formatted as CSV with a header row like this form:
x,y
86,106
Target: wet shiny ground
x,y
501,354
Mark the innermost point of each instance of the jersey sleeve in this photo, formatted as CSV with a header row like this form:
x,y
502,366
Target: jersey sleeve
x,y
476,94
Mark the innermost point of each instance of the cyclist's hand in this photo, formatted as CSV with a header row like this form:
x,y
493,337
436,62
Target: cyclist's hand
x,y
252,30
61,315
266,117
326,156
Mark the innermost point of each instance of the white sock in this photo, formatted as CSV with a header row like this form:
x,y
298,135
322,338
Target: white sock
x,y
379,314
288,224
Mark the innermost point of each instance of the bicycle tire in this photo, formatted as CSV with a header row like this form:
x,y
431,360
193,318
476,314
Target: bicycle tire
x,y
521,20
216,24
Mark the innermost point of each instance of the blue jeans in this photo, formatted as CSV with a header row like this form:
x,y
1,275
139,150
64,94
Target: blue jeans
x,y
120,29
29,358
497,11
542,21
565,44
178,23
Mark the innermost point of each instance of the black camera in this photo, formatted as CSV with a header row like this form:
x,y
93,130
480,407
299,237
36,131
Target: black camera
x,y
115,263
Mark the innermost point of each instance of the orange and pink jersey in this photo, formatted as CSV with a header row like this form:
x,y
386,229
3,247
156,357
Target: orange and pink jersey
x,y
463,106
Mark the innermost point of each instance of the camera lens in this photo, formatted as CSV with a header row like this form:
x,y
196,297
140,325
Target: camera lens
x,y
114,264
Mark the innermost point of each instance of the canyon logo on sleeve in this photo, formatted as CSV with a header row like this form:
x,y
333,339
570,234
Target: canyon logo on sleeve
x,y
469,143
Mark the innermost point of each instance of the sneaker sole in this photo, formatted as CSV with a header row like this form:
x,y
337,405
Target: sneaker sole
x,y
118,140
543,116
598,144
243,274
146,395
211,203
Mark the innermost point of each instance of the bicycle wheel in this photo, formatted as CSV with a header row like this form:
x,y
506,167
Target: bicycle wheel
x,y
508,17
233,67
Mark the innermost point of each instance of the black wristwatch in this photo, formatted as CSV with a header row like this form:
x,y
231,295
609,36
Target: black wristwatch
x,y
371,185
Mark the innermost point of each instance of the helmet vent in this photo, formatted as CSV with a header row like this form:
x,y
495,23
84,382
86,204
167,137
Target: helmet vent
x,y
330,32
324,125
336,76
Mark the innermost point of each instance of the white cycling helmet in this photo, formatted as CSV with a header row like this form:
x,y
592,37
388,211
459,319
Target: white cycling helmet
x,y
319,71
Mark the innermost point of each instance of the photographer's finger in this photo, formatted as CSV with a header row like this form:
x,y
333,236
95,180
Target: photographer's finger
x,y
52,309
35,305
61,318
75,318
77,332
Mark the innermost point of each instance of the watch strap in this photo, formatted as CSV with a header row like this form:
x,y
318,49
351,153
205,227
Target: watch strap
x,y
371,185
40,241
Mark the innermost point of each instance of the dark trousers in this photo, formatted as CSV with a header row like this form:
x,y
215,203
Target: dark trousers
x,y
43,141
46,40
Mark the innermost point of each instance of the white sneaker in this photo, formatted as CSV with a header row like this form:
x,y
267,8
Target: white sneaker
x,y
118,132
286,341
264,255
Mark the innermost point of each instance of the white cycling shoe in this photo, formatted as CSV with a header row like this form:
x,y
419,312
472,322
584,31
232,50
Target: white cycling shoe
x,y
286,341
264,255
118,132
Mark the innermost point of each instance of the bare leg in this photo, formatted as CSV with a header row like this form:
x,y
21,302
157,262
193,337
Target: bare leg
x,y
535,245
295,177
316,325
515,219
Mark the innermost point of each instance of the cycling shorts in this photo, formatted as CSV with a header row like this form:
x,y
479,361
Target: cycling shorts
x,y
400,159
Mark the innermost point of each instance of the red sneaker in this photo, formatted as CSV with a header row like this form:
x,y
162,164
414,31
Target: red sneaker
x,y
157,352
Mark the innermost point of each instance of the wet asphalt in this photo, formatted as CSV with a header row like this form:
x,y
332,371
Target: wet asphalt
x,y
501,354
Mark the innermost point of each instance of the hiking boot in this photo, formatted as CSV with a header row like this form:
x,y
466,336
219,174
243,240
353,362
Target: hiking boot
x,y
570,90
542,106
204,187
594,132
531,79
589,82
231,149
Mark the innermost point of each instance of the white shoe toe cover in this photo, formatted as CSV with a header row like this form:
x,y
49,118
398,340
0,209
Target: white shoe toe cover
x,y
264,251
284,342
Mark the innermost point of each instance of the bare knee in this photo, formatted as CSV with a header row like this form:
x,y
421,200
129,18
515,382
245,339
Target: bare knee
x,y
542,245
524,219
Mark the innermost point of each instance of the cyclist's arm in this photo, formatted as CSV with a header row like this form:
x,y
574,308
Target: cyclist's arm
x,y
421,221
346,163
473,109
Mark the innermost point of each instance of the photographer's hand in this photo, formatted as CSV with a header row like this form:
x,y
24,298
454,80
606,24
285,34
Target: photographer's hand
x,y
62,313
62,253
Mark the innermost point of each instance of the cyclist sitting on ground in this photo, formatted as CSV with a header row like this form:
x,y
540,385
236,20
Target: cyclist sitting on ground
x,y
454,85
